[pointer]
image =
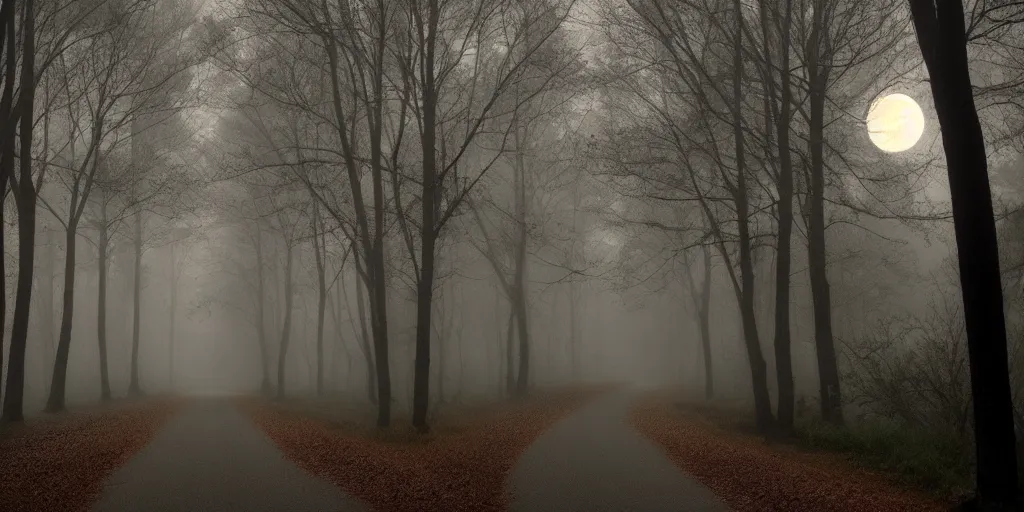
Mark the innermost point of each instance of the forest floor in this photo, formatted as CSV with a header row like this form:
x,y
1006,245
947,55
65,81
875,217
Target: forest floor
x,y
461,465
59,462
753,476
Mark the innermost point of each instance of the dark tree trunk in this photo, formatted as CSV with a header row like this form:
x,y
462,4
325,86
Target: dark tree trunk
x,y
941,35
425,284
781,113
7,42
372,252
828,369
25,197
364,339
101,304
758,367
134,389
60,365
286,328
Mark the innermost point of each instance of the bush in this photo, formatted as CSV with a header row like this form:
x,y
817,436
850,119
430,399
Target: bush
x,y
936,463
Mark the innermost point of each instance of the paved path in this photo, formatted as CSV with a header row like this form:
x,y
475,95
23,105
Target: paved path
x,y
209,457
593,461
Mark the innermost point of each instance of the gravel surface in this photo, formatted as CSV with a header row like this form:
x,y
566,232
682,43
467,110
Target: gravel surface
x,y
457,471
751,476
59,463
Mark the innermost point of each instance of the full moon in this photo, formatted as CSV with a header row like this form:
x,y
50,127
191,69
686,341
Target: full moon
x,y
895,123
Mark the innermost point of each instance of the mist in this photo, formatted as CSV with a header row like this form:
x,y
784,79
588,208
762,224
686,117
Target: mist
x,y
656,223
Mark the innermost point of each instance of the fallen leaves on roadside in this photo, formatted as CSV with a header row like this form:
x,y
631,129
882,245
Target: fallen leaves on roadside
x,y
462,471
60,463
751,476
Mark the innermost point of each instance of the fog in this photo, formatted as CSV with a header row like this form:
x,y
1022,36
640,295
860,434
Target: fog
x,y
270,197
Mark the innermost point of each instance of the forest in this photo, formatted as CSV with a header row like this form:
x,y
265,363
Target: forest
x,y
804,214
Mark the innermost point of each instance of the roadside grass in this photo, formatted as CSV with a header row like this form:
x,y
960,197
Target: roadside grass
x,y
937,464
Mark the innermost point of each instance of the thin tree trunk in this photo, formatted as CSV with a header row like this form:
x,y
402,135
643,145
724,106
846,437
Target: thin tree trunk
x,y
941,35
261,328
133,387
101,303
828,369
55,402
287,324
704,314
364,340
321,304
25,196
510,359
174,310
758,367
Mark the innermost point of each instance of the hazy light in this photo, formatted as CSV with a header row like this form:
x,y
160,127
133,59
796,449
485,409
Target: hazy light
x,y
895,123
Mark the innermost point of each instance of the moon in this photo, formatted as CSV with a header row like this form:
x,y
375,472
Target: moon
x,y
895,123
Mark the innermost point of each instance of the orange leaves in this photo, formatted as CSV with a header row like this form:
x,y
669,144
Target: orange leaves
x,y
459,471
60,464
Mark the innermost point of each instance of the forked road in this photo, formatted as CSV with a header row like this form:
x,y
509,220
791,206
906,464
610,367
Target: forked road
x,y
210,457
593,461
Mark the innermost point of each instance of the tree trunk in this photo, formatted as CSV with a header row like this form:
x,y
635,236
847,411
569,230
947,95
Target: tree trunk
x,y
60,365
758,367
523,378
101,304
7,43
286,328
704,319
173,314
817,262
425,284
510,358
321,304
364,339
941,35
25,197
261,327
134,389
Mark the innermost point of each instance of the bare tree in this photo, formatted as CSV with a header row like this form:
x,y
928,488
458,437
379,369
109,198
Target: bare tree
x,y
941,34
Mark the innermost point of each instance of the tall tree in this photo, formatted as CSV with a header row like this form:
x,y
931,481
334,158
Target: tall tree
x,y
941,34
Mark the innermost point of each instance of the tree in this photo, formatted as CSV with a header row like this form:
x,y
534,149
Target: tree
x,y
25,192
941,34
527,62
129,75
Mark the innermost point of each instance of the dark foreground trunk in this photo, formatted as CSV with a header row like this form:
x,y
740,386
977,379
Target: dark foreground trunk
x,y
824,343
25,196
60,365
755,357
941,35
14,393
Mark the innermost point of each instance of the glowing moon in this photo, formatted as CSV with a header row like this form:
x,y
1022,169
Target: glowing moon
x,y
895,123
